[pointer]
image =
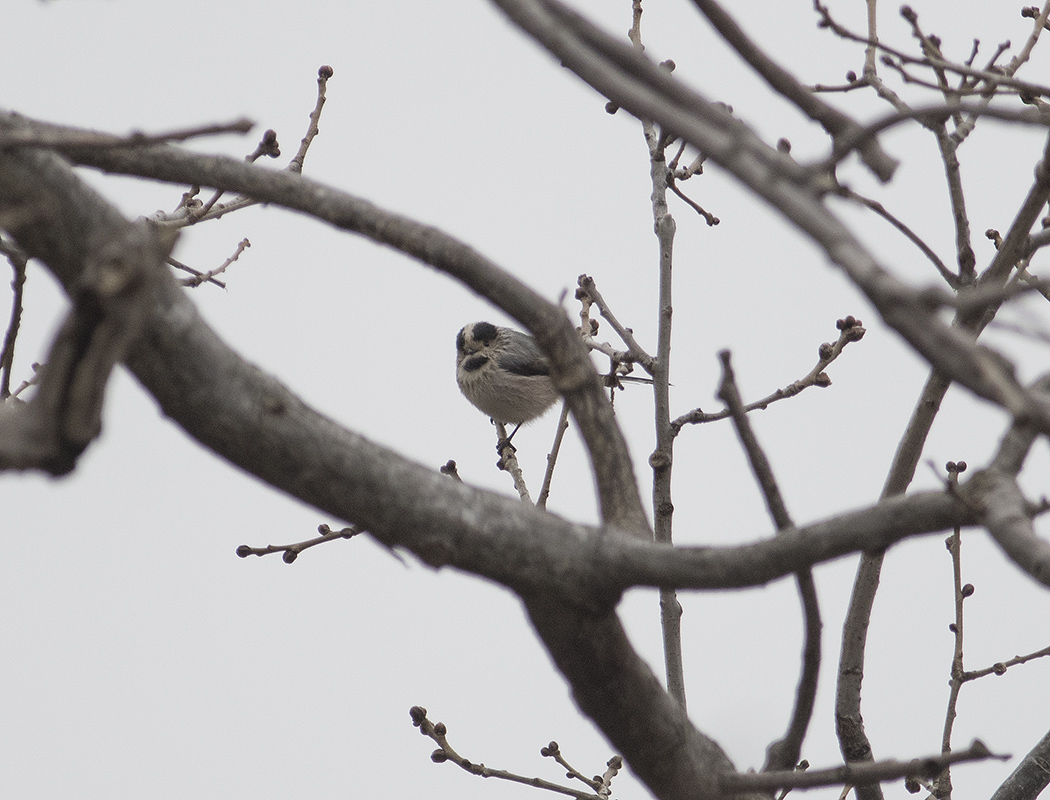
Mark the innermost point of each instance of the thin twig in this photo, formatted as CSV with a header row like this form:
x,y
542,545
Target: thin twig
x,y
782,754
445,752
552,456
855,774
33,380
1000,667
598,784
850,330
949,277
81,139
1039,22
323,74
202,277
871,75
195,273
729,394
661,461
588,294
267,146
18,261
709,218
292,551
943,782
994,78
450,468
508,462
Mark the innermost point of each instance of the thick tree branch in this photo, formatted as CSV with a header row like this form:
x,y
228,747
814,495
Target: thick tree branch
x,y
571,369
1008,518
1030,777
615,688
115,266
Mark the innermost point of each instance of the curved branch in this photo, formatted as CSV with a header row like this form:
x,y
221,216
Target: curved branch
x,y
571,368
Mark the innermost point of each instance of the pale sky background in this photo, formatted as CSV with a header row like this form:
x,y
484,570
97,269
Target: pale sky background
x,y
141,658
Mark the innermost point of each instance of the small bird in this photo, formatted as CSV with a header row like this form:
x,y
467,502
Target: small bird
x,y
504,373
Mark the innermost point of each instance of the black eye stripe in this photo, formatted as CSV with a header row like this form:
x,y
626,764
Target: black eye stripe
x,y
474,363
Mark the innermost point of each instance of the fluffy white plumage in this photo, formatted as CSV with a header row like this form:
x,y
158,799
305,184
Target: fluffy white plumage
x,y
503,373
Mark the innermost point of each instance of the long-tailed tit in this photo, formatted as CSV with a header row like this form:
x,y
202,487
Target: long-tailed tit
x,y
503,372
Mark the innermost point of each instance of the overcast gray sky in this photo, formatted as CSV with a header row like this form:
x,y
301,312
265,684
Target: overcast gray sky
x,y
142,658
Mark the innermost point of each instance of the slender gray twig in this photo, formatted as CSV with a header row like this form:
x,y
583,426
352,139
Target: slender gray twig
x,y
784,753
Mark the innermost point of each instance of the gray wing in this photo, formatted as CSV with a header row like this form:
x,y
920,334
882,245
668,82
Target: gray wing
x,y
524,357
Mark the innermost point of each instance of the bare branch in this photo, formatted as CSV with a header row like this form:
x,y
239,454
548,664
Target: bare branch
x,y
587,294
323,74
18,261
1000,667
850,330
943,782
1030,776
35,137
930,116
209,276
292,551
508,462
439,733
552,456
709,218
195,273
858,774
949,277
782,754
993,79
